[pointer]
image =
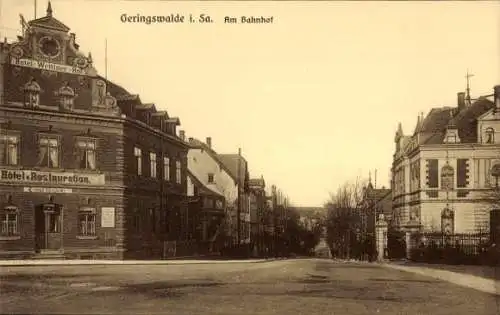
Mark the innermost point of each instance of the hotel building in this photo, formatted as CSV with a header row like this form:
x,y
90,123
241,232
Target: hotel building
x,y
86,169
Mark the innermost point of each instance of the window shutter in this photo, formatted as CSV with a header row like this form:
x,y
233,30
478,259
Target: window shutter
x,y
462,173
432,173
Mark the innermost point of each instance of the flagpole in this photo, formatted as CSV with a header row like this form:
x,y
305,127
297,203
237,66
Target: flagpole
x,y
35,9
106,58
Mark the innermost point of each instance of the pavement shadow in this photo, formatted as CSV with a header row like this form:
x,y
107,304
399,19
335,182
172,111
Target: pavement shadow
x,y
165,289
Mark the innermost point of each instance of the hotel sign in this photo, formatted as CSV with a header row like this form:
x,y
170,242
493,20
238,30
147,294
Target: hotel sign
x,y
49,66
48,190
28,176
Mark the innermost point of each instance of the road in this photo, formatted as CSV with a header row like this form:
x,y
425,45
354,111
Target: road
x,y
301,286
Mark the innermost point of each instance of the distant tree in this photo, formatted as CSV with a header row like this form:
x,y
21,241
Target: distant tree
x,y
343,219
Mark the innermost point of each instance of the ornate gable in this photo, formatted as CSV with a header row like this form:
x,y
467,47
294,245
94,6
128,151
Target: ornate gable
x,y
49,22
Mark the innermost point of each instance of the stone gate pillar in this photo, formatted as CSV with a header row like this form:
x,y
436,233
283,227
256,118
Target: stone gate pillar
x,y
381,237
413,226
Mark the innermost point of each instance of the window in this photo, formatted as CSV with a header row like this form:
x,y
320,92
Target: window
x,y
178,178
432,173
9,150
210,178
451,138
86,222
152,160
447,221
489,136
462,173
48,151
166,168
10,220
138,156
32,93
86,153
208,203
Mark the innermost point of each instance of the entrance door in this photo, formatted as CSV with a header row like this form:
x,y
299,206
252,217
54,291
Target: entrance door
x,y
48,227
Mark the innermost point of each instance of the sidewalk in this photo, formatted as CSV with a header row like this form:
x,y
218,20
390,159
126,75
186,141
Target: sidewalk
x,y
481,278
69,262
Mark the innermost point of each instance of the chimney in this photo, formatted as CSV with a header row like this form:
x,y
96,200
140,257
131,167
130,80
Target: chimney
x,y
182,135
209,142
461,100
496,96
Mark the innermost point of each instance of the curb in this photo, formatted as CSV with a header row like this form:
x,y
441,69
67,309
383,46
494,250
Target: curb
x,y
33,263
465,280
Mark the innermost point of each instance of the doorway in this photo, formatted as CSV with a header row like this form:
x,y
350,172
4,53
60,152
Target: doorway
x,y
48,227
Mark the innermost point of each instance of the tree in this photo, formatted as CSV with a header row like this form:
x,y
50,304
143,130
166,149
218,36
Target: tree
x,y
344,219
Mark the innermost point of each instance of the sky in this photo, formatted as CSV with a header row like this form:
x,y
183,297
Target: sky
x,y
313,99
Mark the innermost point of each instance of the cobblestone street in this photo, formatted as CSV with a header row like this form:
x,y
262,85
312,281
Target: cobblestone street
x,y
301,286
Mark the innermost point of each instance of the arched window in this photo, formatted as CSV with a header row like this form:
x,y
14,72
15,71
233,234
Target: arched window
x,y
489,136
447,177
447,221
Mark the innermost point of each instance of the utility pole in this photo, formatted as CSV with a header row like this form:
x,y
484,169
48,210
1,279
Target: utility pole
x,y
238,210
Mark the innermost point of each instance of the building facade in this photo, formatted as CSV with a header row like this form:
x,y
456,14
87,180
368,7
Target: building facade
x,y
240,226
215,180
87,169
258,215
206,216
442,174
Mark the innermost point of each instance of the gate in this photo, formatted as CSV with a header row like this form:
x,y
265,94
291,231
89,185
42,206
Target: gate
x,y
495,226
396,244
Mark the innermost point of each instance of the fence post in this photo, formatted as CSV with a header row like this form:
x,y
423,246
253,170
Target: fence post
x,y
412,227
381,237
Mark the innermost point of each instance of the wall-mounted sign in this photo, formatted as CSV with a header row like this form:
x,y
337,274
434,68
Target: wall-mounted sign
x,y
49,190
43,65
28,176
107,217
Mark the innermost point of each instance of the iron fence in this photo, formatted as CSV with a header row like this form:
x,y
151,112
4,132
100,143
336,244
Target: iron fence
x,y
463,248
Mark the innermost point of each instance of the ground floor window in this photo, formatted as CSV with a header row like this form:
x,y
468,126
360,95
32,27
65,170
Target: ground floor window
x,y
10,221
87,222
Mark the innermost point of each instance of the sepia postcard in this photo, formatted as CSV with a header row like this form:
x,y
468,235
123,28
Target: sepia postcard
x,y
249,157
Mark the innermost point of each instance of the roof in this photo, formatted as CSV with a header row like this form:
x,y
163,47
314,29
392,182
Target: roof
x,y
205,190
147,106
434,126
376,194
259,182
161,113
119,92
233,162
197,144
49,22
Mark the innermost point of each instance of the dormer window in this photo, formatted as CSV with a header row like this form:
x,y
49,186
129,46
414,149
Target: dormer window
x,y
451,138
489,136
66,97
32,94
210,178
